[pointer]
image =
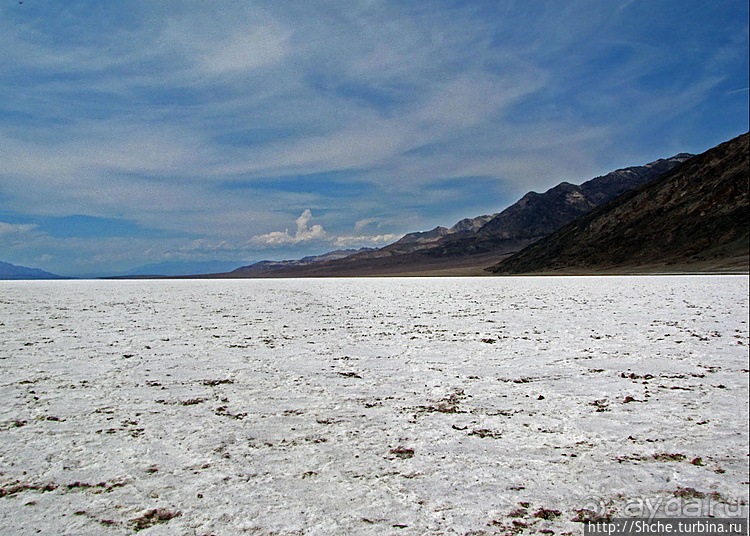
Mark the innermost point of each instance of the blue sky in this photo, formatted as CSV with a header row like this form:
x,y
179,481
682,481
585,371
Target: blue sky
x,y
139,132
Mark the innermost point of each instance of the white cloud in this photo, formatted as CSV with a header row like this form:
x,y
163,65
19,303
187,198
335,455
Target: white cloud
x,y
361,224
16,229
23,236
305,233
273,239
260,46
364,240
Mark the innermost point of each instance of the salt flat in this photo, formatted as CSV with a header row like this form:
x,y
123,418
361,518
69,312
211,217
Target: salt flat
x,y
369,406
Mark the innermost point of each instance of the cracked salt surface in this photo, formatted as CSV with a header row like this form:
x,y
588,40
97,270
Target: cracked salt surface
x,y
368,406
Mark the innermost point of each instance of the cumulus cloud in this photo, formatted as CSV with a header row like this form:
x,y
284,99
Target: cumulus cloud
x,y
305,233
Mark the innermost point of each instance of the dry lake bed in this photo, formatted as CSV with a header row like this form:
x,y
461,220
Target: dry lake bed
x,y
370,406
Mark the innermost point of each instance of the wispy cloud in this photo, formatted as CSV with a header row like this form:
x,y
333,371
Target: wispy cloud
x,y
361,224
147,110
11,229
365,240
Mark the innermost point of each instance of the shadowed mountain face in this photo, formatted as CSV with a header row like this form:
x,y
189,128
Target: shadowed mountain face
x,y
694,218
474,243
538,215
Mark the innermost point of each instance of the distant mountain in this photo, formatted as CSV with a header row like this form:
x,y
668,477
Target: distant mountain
x,y
11,271
272,266
694,218
474,243
172,268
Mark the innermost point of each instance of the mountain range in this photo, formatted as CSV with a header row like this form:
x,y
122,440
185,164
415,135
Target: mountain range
x,y
472,244
271,267
684,213
172,268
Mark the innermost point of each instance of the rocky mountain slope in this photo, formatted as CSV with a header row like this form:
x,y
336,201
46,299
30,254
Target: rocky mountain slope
x,y
694,218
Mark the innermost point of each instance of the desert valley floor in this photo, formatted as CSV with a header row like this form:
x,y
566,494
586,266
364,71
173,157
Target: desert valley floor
x,y
369,406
